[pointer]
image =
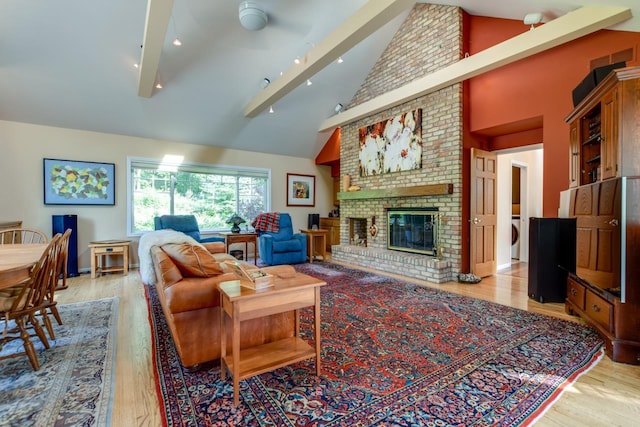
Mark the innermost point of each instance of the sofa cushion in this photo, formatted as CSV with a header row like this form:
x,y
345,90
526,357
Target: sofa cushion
x,y
192,260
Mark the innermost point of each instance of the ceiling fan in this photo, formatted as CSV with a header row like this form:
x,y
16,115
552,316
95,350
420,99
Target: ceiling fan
x,y
252,16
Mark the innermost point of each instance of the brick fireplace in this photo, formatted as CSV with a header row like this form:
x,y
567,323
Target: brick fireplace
x,y
424,43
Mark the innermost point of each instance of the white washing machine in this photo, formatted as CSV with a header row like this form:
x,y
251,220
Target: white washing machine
x,y
515,237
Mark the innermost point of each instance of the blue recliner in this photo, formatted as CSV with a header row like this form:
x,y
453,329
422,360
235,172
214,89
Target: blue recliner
x,y
284,246
188,224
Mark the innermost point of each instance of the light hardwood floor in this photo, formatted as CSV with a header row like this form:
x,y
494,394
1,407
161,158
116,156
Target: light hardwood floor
x,y
608,395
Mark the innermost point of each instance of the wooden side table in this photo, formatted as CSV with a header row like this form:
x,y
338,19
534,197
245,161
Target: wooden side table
x,y
239,303
105,248
316,243
242,237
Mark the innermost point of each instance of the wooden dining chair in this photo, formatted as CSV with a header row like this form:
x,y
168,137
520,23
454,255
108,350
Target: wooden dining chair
x,y
15,236
21,303
62,261
58,269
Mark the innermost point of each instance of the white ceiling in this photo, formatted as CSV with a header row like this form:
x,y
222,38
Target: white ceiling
x,y
69,63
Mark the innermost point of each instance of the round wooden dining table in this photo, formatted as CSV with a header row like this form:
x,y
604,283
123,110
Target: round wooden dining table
x,y
16,262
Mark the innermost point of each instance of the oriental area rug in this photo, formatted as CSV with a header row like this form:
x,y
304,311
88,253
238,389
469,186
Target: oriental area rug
x,y
74,386
393,353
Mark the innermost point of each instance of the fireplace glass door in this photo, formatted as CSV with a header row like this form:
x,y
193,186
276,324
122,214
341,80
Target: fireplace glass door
x,y
413,230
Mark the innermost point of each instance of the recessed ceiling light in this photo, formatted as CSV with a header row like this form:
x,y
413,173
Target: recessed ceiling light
x,y
158,85
177,42
309,82
340,60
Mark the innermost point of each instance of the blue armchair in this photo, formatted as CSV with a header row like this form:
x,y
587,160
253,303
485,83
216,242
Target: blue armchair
x,y
188,224
284,246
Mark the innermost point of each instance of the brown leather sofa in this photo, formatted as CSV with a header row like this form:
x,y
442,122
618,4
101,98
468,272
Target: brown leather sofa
x,y
187,279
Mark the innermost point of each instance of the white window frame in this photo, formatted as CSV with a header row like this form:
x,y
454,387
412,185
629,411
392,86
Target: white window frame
x,y
205,166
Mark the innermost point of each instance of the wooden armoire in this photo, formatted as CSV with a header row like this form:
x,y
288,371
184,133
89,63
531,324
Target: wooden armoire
x,y
605,200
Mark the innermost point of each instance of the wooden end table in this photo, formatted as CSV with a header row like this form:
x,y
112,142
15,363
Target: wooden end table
x,y
106,248
290,292
316,243
245,237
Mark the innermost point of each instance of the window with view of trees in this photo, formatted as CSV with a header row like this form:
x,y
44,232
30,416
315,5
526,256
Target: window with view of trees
x,y
211,193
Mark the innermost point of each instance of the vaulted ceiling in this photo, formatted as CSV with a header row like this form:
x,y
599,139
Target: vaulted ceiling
x,y
70,63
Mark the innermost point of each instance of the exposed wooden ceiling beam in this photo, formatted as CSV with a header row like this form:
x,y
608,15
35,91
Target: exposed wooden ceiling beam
x,y
571,26
359,26
155,30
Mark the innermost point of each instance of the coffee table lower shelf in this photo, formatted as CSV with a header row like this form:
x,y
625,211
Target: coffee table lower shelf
x,y
267,357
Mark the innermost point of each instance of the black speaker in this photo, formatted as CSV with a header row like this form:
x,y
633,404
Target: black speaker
x,y
592,80
552,255
60,224
314,219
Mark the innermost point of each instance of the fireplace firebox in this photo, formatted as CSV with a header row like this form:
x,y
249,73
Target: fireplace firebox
x,y
413,230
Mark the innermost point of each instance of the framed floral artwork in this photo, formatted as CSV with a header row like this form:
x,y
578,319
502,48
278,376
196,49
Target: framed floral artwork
x,y
72,182
301,190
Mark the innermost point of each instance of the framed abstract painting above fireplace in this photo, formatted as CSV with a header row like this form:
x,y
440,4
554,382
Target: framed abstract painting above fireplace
x,y
392,145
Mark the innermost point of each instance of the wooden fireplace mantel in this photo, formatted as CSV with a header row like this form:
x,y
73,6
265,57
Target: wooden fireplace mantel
x,y
419,190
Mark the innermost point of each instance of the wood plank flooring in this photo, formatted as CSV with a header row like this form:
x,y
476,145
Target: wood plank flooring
x,y
608,395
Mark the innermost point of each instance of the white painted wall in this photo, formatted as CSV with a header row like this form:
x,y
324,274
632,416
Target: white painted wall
x,y
531,200
21,190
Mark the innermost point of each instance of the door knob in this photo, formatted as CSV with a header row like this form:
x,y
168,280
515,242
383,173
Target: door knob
x,y
476,220
613,222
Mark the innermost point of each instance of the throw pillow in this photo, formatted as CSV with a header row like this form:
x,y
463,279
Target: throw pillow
x,y
192,260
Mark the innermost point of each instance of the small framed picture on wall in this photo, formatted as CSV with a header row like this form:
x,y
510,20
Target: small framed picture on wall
x,y
301,190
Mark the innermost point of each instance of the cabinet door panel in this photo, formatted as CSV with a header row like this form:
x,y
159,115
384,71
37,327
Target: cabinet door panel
x,y
597,210
583,248
584,201
609,129
606,241
574,156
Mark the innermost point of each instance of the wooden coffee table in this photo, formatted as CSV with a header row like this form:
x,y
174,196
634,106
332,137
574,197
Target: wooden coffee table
x,y
290,292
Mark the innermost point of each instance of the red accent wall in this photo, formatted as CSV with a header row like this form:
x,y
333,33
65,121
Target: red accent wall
x,y
535,90
330,153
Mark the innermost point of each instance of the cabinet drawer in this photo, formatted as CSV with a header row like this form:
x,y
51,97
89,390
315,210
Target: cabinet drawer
x,y
575,293
109,250
599,310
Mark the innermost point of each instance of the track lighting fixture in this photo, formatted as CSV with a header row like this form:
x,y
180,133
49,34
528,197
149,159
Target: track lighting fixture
x,y
338,108
297,60
340,60
309,82
271,109
158,85
265,82
176,41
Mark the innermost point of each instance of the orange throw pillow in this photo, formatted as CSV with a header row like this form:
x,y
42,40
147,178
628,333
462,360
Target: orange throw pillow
x,y
192,261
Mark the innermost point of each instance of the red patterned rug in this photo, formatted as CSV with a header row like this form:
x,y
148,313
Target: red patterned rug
x,y
394,353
